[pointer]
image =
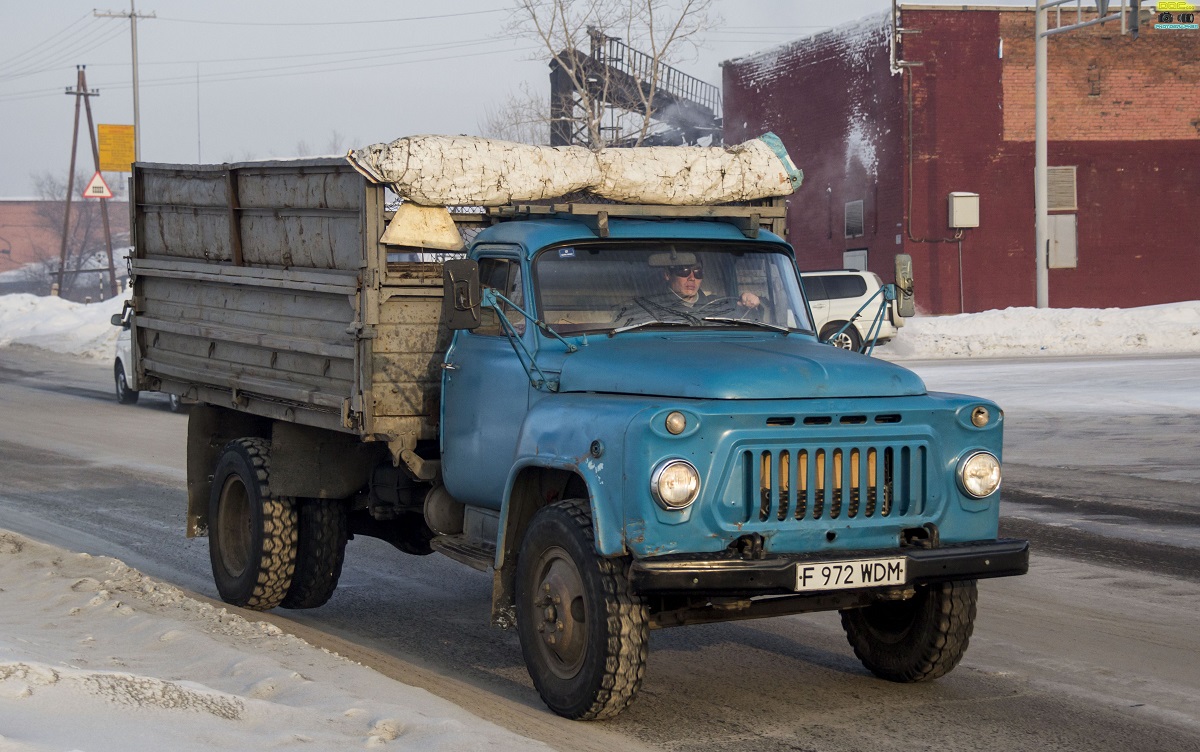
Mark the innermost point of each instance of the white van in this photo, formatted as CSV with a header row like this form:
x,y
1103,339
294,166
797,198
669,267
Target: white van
x,y
835,296
123,365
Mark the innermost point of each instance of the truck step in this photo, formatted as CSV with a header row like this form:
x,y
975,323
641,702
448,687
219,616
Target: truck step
x,y
473,552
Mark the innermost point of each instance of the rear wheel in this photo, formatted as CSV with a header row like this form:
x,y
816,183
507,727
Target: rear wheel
x,y
583,631
846,340
320,551
125,395
252,535
918,639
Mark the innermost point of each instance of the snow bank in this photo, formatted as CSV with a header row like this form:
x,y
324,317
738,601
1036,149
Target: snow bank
x,y
96,656
1169,328
51,323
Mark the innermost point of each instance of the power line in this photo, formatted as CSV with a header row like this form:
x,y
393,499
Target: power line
x,y
261,73
229,77
52,58
306,55
40,46
331,23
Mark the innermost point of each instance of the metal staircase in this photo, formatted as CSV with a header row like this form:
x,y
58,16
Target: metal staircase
x,y
619,79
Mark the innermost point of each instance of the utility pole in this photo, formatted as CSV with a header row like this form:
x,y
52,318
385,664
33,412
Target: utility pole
x,y
81,93
133,17
1041,183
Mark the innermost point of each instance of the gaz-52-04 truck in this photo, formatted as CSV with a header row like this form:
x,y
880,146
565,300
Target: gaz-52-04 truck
x,y
549,409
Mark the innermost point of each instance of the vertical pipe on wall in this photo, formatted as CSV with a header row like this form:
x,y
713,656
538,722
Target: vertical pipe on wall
x,y
1040,186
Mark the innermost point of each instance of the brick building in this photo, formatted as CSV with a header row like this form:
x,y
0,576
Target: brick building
x,y
31,245
882,147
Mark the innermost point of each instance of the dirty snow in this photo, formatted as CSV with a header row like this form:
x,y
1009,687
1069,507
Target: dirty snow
x,y
96,656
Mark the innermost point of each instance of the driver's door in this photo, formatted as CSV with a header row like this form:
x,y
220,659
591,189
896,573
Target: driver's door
x,y
485,391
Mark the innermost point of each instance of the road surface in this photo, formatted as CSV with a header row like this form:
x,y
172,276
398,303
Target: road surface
x,y
1094,649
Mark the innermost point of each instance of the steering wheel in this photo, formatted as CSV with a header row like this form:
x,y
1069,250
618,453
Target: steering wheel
x,y
730,302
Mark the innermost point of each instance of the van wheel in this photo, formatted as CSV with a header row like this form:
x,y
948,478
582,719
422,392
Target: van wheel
x,y
847,340
918,639
320,551
125,395
252,535
583,631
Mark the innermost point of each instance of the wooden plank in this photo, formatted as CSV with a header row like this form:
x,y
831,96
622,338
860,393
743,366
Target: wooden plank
x,y
305,367
235,226
302,396
403,338
339,281
422,310
258,339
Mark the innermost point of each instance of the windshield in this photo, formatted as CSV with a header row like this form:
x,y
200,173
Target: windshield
x,y
616,287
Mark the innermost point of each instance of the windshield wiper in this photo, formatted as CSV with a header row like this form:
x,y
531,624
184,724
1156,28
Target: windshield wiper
x,y
749,322
650,322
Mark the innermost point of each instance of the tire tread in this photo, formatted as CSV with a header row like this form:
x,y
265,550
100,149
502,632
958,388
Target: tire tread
x,y
277,563
321,548
947,633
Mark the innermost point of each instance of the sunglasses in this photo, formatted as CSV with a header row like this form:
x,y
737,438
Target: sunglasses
x,y
684,271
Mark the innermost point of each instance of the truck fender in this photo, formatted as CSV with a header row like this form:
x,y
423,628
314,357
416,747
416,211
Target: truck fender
x,y
535,482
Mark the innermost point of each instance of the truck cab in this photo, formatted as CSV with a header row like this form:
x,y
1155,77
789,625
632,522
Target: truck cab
x,y
657,394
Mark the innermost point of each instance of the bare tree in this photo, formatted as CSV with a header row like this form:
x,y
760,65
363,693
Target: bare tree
x,y
524,117
613,57
85,239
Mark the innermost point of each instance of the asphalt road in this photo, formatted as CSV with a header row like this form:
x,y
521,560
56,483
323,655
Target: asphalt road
x,y
1095,649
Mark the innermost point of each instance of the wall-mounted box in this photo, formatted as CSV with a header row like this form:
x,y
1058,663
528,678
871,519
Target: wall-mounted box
x,y
964,209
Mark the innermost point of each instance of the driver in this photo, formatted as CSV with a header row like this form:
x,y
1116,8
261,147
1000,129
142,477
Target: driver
x,y
684,282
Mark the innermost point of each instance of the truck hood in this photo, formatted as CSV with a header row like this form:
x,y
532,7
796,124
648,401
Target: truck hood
x,y
730,366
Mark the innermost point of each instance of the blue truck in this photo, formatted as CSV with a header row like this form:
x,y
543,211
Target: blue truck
x,y
621,412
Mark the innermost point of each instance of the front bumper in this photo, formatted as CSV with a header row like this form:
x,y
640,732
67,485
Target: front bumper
x,y
732,574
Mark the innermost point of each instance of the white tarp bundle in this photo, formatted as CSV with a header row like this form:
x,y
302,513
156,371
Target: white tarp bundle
x,y
467,170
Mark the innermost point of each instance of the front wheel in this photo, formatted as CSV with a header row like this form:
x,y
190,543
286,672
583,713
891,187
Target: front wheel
x,y
584,633
125,395
917,639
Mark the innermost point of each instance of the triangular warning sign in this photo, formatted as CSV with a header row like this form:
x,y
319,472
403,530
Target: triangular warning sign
x,y
97,188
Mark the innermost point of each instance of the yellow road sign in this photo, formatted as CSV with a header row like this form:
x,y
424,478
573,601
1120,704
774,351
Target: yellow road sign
x,y
116,147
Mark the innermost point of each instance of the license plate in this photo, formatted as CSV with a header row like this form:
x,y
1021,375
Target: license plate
x,y
847,575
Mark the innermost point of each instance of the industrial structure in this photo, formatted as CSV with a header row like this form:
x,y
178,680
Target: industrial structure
x,y
916,135
613,79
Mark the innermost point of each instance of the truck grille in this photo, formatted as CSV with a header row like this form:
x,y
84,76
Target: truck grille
x,y
835,482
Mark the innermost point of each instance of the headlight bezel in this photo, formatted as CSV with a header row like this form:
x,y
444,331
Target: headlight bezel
x,y
656,478
961,474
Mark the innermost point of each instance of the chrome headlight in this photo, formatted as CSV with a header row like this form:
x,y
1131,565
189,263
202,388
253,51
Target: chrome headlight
x,y
979,474
674,484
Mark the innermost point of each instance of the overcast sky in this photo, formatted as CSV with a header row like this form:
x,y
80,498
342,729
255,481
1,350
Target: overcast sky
x,y
229,81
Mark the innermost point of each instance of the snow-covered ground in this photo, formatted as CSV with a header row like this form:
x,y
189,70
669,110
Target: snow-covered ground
x,y
95,656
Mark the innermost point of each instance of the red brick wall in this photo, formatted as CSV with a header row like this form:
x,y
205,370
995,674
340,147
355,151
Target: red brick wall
x,y
835,103
1103,86
1126,113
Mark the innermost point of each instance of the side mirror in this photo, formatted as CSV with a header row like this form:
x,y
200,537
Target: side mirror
x,y
116,320
905,304
460,295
